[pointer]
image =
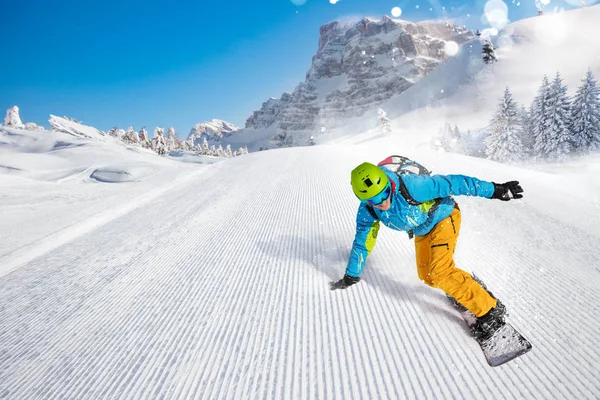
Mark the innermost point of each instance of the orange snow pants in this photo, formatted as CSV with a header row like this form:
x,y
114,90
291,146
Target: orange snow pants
x,y
435,266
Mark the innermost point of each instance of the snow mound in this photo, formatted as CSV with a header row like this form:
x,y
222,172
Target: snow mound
x,y
192,157
75,128
119,174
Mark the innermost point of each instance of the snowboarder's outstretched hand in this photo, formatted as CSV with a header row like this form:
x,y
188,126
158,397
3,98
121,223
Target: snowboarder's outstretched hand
x,y
507,191
343,283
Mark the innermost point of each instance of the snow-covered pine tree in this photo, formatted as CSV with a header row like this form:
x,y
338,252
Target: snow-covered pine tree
x,y
489,56
527,132
557,120
383,122
228,152
131,136
205,149
449,137
190,143
503,142
537,117
170,141
585,115
158,141
456,133
12,118
144,141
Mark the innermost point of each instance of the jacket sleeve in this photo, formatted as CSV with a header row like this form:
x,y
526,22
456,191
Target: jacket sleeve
x,y
425,187
367,228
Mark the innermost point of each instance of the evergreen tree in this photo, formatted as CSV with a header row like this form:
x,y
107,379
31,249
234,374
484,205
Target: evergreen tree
x,y
190,143
503,142
131,136
113,131
527,132
12,118
489,57
144,141
205,149
170,142
456,133
556,120
585,116
158,141
537,117
383,122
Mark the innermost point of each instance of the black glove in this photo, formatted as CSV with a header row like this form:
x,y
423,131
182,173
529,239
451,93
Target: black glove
x,y
343,283
501,191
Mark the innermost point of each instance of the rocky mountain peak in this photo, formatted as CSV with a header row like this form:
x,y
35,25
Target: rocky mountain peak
x,y
357,66
213,131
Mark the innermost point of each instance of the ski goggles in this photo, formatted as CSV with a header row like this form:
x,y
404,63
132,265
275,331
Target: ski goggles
x,y
381,197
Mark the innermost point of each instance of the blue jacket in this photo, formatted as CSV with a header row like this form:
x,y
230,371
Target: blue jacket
x,y
405,217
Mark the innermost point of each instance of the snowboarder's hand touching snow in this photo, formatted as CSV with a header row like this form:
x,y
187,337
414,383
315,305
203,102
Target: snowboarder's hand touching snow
x,y
507,191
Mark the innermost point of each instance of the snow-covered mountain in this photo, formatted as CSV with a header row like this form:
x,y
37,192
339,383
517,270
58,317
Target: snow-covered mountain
x,y
356,67
458,88
213,131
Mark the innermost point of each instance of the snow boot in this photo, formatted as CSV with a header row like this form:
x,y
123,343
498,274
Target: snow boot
x,y
486,325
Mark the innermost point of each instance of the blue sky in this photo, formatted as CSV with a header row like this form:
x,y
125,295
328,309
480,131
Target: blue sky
x,y
129,62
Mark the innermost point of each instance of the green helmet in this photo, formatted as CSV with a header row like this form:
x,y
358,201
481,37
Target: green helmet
x,y
368,180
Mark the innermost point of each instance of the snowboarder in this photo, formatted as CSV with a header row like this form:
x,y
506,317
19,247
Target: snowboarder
x,y
435,223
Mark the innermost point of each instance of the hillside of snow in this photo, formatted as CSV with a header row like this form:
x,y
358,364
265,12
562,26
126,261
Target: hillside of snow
x,y
54,185
212,282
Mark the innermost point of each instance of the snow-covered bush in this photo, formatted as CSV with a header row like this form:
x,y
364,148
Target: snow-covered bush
x,y
31,126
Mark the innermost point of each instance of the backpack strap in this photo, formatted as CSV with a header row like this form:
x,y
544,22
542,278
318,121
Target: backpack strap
x,y
409,199
404,192
372,211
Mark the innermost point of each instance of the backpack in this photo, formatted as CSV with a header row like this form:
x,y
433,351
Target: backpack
x,y
401,165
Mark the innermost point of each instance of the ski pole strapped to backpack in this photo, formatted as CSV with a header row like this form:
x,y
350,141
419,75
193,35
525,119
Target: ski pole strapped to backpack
x,y
401,165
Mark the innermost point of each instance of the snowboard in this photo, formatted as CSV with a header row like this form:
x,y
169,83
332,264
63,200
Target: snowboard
x,y
504,345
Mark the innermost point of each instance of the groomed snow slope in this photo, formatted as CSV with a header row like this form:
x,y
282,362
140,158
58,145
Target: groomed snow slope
x,y
226,295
